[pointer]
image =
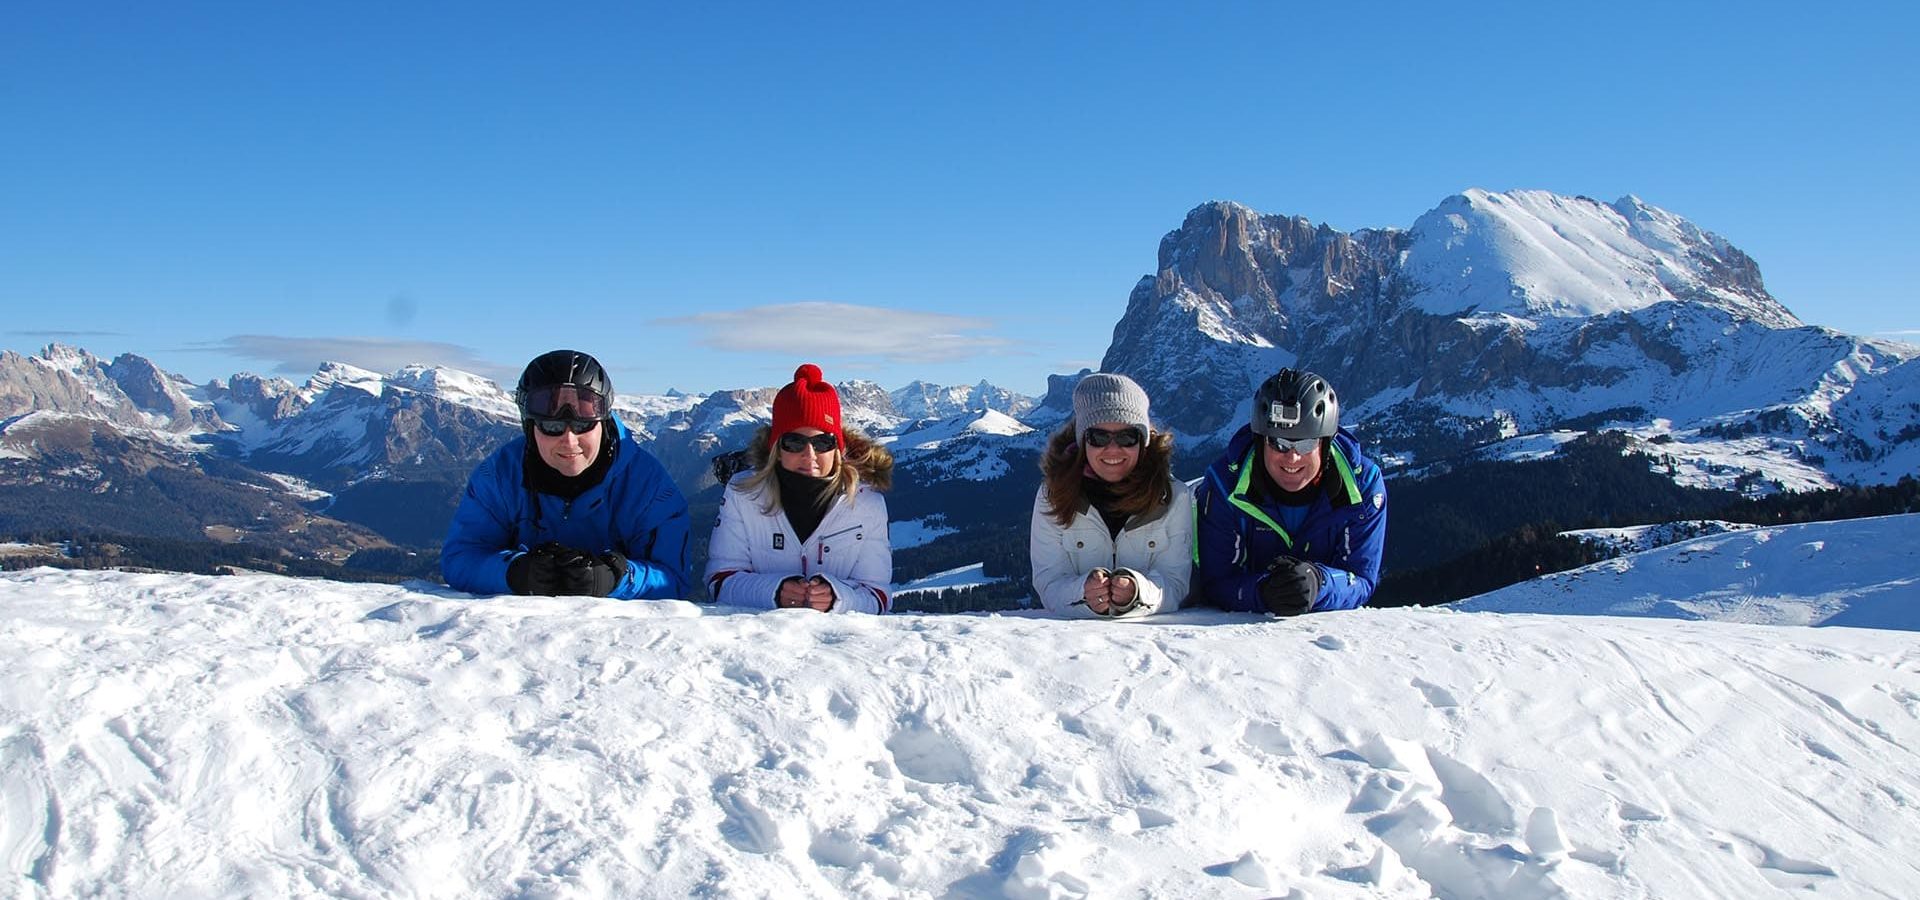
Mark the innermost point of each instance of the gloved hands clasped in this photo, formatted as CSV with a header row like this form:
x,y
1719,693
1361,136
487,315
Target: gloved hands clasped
x,y
1290,587
553,570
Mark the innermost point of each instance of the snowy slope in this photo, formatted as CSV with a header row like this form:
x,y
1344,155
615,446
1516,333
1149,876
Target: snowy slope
x,y
1863,572
165,735
1535,253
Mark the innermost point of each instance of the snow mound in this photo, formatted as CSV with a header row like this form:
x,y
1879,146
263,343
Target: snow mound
x,y
168,735
1861,572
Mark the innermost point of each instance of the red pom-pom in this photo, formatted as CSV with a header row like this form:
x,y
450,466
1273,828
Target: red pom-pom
x,y
808,372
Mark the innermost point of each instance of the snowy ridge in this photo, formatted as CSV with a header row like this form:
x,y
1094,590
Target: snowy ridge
x,y
1534,253
260,736
1861,572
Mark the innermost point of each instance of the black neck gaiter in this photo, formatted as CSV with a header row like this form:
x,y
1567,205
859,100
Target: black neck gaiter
x,y
544,479
806,500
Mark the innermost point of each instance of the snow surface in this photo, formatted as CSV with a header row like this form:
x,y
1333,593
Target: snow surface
x,y
1861,572
171,735
1535,253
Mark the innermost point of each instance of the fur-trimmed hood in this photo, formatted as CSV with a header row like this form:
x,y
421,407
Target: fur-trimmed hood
x,y
872,461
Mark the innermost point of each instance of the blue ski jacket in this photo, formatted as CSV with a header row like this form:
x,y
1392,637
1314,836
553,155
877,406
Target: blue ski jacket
x,y
1237,536
635,509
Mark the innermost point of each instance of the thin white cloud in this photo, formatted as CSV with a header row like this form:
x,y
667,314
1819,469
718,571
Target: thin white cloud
x,y
301,355
838,330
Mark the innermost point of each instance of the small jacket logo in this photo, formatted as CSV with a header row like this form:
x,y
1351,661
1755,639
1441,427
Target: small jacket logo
x,y
779,541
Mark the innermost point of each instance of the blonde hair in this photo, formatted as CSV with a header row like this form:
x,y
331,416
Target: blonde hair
x,y
862,462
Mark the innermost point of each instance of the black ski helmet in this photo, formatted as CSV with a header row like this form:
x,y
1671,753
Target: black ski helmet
x,y
1295,405
560,368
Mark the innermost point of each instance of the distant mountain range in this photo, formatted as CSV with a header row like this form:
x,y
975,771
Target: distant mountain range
x,y
1499,328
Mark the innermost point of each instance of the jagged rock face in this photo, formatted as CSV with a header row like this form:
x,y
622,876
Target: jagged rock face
x,y
27,385
155,393
922,400
1239,295
860,398
348,432
264,399
1526,292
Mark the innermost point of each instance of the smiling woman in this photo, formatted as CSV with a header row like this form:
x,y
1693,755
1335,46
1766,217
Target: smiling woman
x,y
1112,530
806,528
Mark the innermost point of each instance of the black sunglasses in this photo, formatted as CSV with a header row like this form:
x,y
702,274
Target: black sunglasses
x,y
558,427
1300,447
1126,437
795,442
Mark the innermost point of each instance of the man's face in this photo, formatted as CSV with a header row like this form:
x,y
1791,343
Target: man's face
x,y
1292,471
569,453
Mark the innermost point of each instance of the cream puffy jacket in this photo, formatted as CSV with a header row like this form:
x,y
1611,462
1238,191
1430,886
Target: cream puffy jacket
x,y
752,551
1158,552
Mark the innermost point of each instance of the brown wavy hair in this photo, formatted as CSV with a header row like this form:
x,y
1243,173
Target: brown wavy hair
x,y
1147,487
862,462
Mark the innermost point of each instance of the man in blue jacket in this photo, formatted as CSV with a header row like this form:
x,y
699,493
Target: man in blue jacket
x,y
572,507
1292,518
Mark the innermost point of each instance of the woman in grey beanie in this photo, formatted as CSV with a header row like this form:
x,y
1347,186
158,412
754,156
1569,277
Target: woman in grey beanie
x,y
1112,532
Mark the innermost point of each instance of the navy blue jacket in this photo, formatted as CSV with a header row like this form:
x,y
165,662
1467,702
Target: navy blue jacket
x,y
635,509
1237,537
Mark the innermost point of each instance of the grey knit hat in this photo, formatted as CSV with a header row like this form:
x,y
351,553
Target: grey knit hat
x,y
1103,397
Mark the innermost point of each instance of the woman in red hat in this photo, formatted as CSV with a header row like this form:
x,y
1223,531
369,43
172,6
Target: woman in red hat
x,y
806,527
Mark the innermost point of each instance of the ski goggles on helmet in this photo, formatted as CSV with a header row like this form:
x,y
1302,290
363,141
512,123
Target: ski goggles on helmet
x,y
558,427
1125,437
795,442
1300,447
565,401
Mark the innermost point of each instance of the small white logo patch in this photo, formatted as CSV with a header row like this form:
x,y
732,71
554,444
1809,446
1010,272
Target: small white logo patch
x,y
1379,500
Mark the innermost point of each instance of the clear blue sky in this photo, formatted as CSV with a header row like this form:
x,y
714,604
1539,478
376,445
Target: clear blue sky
x,y
947,192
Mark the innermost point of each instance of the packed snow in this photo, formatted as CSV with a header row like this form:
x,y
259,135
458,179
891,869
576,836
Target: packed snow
x,y
171,735
1862,572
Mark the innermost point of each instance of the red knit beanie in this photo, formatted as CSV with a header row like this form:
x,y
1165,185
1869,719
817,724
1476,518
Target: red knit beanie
x,y
808,402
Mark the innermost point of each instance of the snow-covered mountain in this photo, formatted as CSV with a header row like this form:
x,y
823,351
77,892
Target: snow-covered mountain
x,y
1503,315
170,735
921,400
1499,327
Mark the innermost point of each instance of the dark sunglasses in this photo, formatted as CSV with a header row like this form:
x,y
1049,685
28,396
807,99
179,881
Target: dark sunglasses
x,y
566,401
795,442
1300,447
558,427
1125,437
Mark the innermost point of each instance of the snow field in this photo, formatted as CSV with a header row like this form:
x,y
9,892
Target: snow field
x,y
165,735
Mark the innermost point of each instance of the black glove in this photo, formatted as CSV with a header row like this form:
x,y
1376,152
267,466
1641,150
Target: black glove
x,y
536,571
1290,586
585,575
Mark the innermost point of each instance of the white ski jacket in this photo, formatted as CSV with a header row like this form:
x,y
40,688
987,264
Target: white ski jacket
x,y
753,551
1157,552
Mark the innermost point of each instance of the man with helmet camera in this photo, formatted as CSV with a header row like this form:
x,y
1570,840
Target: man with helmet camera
x,y
1292,518
572,507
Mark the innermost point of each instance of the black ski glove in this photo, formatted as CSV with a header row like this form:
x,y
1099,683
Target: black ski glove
x,y
536,572
1290,586
586,575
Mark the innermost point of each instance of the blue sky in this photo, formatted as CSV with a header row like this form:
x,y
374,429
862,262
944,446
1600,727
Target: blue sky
x,y
706,197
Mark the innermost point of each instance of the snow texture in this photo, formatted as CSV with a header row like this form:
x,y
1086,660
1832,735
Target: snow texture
x,y
170,735
1861,572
